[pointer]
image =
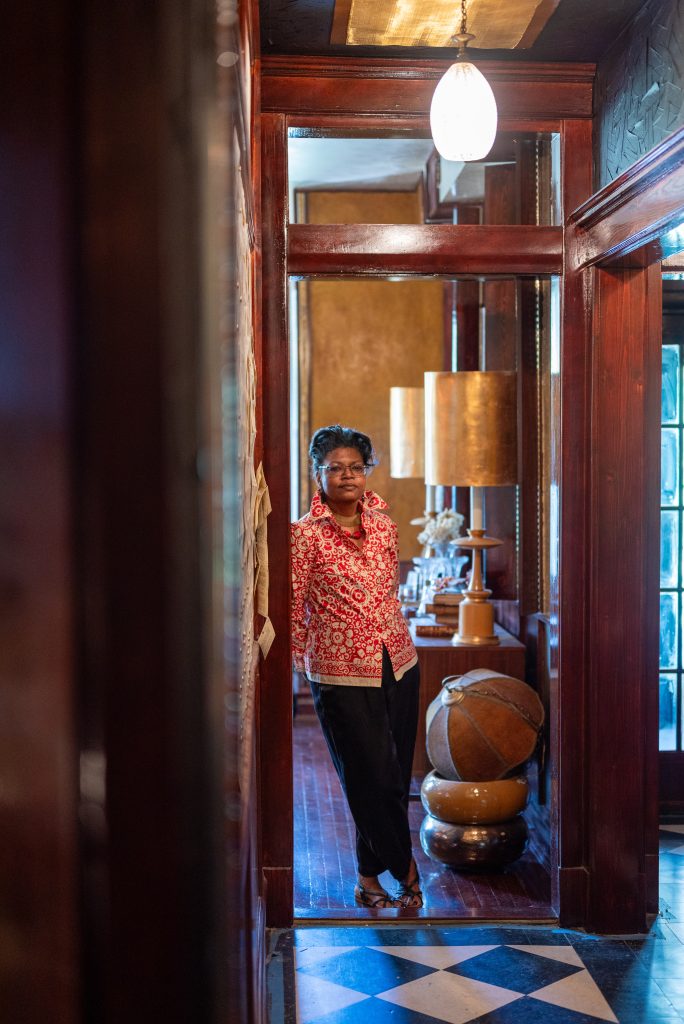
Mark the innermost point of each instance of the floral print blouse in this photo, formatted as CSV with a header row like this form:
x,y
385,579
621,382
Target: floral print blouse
x,y
344,598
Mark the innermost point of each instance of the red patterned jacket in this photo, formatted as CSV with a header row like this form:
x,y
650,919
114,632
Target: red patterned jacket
x,y
344,599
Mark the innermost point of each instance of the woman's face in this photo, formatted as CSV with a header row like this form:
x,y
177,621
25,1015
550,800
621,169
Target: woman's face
x,y
339,483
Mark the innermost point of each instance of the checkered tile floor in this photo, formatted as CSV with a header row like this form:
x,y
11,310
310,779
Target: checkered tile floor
x,y
456,983
488,974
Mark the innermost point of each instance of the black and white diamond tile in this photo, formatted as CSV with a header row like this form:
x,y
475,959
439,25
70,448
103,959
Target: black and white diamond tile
x,y
373,970
457,984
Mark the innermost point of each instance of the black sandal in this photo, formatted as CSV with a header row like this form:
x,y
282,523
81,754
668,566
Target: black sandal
x,y
369,898
409,891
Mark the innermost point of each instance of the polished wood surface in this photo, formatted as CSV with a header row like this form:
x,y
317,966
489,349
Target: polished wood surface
x,y
275,732
615,502
570,462
325,865
160,654
636,209
542,92
623,633
40,967
424,248
121,845
439,658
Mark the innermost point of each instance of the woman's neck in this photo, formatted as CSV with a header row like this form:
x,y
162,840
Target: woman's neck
x,y
343,508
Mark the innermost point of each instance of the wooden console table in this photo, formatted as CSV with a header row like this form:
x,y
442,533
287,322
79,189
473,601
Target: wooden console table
x,y
438,658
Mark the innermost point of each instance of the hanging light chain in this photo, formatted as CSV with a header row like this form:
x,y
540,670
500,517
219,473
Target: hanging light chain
x,y
463,37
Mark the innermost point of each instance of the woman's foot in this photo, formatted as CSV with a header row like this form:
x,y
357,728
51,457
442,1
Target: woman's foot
x,y
409,896
368,892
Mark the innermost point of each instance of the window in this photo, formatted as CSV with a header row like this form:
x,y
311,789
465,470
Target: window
x,y
671,586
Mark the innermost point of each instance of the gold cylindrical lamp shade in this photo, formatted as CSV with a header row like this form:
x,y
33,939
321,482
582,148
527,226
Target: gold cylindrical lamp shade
x,y
471,428
407,432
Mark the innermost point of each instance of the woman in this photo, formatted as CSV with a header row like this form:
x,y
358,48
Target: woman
x,y
351,640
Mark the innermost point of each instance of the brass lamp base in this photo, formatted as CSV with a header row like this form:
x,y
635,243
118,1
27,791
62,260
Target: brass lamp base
x,y
475,612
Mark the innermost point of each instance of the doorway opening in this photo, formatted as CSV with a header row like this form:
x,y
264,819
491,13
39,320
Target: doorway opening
x,y
351,340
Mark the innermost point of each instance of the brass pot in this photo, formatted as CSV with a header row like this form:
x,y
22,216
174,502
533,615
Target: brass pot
x,y
472,803
474,847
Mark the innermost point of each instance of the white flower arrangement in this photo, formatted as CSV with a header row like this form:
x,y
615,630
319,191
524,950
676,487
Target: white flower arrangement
x,y
442,528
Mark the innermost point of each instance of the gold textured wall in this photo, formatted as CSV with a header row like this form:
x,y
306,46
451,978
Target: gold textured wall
x,y
364,207
367,336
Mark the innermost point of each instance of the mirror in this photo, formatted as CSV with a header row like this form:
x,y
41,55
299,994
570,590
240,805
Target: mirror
x,y
368,178
352,339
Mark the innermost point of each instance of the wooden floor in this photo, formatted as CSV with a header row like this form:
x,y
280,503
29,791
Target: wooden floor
x,y
325,868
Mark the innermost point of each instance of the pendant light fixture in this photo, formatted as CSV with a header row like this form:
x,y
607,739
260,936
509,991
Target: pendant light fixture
x,y
463,109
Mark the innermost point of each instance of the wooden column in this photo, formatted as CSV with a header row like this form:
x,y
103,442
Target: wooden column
x,y
275,727
570,460
624,575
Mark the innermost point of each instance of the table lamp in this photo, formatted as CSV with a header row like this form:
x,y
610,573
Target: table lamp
x,y
407,441
471,441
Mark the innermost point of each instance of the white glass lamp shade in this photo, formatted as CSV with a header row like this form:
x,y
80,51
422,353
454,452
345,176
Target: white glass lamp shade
x,y
463,114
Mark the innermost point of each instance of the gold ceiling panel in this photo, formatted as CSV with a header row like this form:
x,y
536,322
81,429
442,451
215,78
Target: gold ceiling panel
x,y
496,24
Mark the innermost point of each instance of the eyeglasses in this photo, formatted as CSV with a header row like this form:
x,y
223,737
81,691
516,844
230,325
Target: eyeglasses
x,y
337,469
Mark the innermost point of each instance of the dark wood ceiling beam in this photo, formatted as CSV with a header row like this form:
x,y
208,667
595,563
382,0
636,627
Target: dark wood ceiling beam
x,y
522,90
380,249
634,211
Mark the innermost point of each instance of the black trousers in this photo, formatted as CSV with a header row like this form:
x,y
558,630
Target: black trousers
x,y
371,734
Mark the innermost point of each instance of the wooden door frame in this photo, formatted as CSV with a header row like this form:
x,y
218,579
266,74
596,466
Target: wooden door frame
x,y
615,241
604,600
325,95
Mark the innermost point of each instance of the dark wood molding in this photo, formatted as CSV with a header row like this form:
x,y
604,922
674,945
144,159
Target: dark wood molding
x,y
570,459
378,67
429,249
275,725
373,86
352,125
635,210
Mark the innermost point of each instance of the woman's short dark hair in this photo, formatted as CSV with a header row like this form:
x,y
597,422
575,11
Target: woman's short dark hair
x,y
327,439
